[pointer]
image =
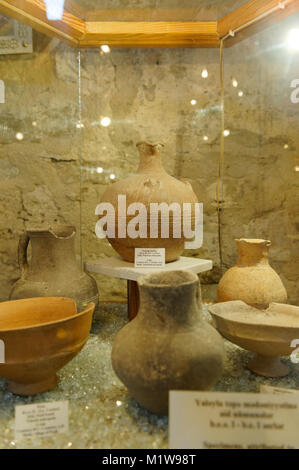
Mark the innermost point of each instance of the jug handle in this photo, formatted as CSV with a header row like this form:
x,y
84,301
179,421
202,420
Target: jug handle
x,y
22,253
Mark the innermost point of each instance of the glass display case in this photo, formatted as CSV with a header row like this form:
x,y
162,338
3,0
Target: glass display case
x,y
217,84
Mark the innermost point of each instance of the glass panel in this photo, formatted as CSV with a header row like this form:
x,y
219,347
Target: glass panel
x,y
261,162
39,146
69,124
161,95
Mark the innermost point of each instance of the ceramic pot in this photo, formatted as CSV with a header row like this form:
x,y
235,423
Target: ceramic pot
x,y
40,336
252,279
151,184
53,270
168,346
269,333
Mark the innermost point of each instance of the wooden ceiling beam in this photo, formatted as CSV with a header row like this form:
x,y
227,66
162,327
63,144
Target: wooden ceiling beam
x,y
76,30
72,7
33,13
250,13
151,34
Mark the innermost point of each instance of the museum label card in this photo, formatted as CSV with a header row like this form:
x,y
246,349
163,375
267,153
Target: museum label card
x,y
41,419
216,420
278,390
149,257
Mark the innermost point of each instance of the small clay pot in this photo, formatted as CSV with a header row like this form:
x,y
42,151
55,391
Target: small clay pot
x,y
252,279
40,336
168,346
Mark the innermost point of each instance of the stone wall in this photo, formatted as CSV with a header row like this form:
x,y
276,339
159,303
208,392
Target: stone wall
x,y
49,174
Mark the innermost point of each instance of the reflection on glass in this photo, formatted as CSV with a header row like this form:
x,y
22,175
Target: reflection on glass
x,y
193,102
293,39
234,82
204,73
240,93
19,136
226,132
105,121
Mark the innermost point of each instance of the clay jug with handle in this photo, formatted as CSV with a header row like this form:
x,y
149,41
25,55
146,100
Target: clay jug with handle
x,y
53,270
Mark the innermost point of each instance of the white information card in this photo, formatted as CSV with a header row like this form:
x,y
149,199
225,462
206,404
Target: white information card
x,y
278,390
215,420
41,419
149,257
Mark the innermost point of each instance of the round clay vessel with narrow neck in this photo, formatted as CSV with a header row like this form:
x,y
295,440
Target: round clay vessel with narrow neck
x,y
168,345
150,185
53,270
252,279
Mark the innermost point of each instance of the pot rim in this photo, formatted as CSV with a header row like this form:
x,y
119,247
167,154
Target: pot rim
x,y
253,241
250,325
191,278
89,307
151,144
54,230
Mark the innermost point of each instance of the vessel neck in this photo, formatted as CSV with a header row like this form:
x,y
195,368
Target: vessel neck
x,y
252,253
150,158
170,305
52,253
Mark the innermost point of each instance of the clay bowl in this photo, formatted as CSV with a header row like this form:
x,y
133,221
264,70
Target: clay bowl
x,y
268,333
40,336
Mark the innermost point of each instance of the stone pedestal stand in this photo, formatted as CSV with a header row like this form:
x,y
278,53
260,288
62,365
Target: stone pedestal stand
x,y
117,267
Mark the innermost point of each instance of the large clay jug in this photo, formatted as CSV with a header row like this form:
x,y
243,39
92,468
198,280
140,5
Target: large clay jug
x,y
151,184
252,279
53,270
168,345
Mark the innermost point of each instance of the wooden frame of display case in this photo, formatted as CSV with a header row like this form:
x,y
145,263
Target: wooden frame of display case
x,y
131,28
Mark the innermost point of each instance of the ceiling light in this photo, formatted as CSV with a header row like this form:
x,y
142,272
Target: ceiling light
x,y
105,48
54,9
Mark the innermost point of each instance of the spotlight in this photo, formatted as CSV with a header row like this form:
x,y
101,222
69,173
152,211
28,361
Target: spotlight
x,y
105,48
54,9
